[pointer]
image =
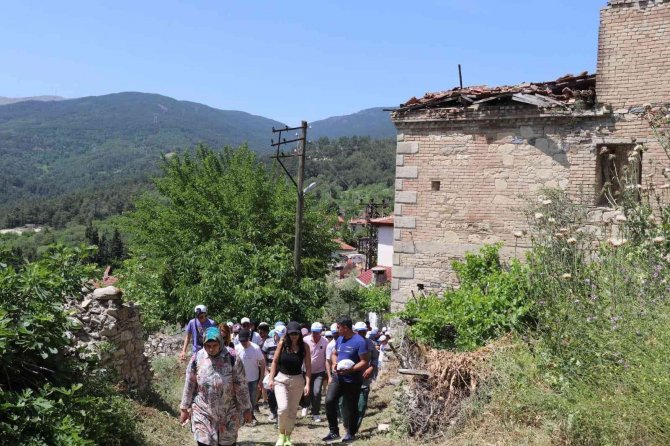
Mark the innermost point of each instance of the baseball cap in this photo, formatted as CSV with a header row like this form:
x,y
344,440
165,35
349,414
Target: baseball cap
x,y
345,364
244,335
293,327
245,320
280,331
279,324
317,327
382,338
333,327
360,326
374,331
263,325
200,309
329,334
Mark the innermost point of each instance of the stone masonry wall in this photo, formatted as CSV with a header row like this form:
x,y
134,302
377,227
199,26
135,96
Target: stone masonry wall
x,y
634,53
486,160
486,169
111,329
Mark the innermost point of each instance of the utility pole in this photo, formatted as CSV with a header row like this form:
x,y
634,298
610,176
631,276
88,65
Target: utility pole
x,y
301,139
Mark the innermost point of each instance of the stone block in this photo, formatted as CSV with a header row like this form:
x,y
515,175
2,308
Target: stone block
x,y
403,272
396,259
407,147
408,197
403,247
407,172
405,222
399,160
397,234
400,137
395,284
108,293
398,184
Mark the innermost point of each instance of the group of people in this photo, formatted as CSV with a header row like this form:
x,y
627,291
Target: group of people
x,y
234,366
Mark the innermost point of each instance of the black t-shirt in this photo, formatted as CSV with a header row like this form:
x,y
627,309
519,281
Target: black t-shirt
x,y
291,363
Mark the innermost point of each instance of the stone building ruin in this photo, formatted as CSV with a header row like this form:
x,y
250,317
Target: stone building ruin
x,y
465,157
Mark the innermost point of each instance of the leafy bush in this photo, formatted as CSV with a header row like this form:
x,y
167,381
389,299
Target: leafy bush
x,y
48,395
492,299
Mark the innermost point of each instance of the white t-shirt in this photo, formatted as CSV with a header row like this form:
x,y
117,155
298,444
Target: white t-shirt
x,y
329,349
252,358
255,339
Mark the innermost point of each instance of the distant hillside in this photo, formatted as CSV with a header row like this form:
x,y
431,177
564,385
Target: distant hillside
x,y
4,100
372,122
49,148
89,156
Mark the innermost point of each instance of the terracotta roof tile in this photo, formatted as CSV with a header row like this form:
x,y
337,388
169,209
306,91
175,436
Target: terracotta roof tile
x,y
561,92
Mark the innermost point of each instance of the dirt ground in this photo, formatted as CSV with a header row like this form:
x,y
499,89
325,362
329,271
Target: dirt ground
x,y
159,418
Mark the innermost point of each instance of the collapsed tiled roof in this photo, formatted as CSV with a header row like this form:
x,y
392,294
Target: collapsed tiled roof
x,y
563,92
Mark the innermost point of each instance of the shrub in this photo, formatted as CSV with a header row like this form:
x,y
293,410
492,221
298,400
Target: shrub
x,y
48,395
491,300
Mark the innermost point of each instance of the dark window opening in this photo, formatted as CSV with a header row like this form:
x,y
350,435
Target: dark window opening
x,y
435,185
618,166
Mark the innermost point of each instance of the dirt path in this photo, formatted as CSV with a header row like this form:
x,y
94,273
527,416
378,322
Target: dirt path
x,y
159,421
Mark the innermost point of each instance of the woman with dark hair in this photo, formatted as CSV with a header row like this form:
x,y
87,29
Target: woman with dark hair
x,y
288,380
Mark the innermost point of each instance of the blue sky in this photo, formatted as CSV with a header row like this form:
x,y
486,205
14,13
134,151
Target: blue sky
x,y
289,60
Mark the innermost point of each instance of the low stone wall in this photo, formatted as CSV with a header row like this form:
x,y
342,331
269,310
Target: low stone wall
x,y
166,343
111,329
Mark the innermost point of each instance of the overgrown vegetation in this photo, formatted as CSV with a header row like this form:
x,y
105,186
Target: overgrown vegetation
x,y
221,232
48,394
492,299
591,366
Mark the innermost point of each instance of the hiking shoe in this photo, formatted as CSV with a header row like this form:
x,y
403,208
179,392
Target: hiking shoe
x,y
287,440
331,436
280,440
316,418
348,438
303,412
272,417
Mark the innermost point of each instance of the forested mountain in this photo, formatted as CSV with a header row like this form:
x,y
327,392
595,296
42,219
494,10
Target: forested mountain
x,y
5,100
373,122
88,158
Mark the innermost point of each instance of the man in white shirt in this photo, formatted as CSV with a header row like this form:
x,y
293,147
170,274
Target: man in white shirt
x,y
329,351
254,364
317,347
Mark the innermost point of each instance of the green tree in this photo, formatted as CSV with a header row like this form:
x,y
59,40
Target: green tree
x,y
220,232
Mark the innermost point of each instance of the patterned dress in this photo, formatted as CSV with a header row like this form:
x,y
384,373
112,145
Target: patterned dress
x,y
217,392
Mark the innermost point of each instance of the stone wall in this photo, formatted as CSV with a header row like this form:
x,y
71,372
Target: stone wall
x,y
166,343
487,168
462,174
111,329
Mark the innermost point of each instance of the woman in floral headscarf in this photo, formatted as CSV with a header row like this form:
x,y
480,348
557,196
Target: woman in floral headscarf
x,y
216,392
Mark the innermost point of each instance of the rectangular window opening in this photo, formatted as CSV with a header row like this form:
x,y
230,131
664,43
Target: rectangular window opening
x,y
618,166
435,185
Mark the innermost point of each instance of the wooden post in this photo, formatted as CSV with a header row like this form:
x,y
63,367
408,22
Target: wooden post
x,y
302,148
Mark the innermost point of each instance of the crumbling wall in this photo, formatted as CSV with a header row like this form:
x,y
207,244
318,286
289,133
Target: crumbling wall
x,y
111,329
169,342
486,169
